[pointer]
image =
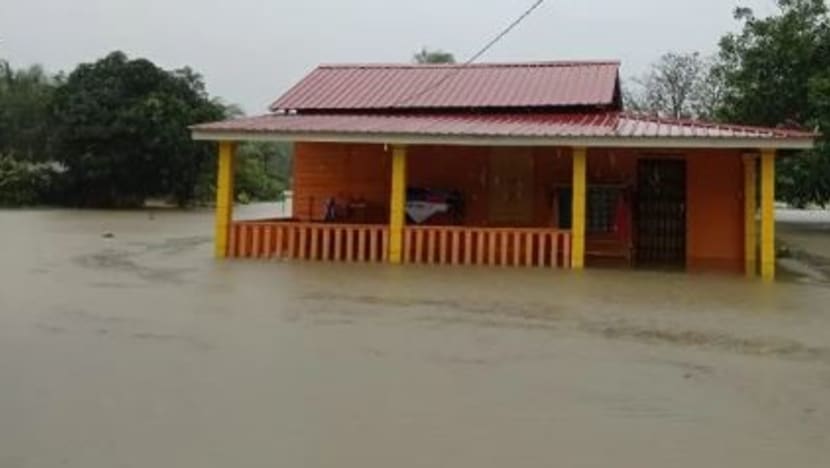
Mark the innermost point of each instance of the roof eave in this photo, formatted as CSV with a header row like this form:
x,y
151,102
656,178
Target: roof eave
x,y
779,143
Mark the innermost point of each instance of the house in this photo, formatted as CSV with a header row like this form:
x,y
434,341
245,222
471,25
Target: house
x,y
514,164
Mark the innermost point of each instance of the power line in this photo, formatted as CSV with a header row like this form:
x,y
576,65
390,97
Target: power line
x,y
455,70
505,32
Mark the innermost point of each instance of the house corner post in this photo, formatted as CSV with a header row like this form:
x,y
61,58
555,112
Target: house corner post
x,y
224,197
578,199
750,210
397,204
768,214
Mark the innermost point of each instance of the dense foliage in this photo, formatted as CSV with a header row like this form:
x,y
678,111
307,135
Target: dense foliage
x,y
24,183
120,127
25,97
115,133
776,72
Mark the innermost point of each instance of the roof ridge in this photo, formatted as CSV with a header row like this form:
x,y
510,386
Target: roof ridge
x,y
530,64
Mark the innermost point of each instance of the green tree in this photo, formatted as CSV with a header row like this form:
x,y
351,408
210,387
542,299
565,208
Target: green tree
x,y
262,171
25,96
776,72
426,56
120,127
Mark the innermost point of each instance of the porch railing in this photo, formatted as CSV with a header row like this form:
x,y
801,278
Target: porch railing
x,y
309,241
451,245
439,245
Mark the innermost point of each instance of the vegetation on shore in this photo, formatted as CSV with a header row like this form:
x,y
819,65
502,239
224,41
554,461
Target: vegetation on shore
x,y
114,133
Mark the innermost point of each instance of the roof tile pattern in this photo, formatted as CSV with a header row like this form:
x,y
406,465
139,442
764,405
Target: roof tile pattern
x,y
364,87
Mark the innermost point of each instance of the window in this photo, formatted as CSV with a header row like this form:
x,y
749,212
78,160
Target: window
x,y
600,210
601,205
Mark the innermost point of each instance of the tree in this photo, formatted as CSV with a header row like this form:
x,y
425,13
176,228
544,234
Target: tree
x,y
678,85
263,172
426,56
776,72
120,127
25,96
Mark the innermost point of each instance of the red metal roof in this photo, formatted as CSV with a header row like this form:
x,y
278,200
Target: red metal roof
x,y
550,125
509,85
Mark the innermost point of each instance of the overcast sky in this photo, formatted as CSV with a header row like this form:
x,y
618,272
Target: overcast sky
x,y
250,51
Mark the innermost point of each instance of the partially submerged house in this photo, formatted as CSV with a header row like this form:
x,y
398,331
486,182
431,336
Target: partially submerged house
x,y
515,164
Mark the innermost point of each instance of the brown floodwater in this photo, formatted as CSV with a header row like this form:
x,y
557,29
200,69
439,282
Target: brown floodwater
x,y
140,350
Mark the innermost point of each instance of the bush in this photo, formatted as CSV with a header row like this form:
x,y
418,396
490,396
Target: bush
x,y
24,183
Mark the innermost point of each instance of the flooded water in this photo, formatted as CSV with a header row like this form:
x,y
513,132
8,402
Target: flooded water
x,y
140,350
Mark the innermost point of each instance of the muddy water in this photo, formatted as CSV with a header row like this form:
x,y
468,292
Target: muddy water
x,y
140,350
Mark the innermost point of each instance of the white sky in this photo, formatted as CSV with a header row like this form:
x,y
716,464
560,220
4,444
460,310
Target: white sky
x,y
250,51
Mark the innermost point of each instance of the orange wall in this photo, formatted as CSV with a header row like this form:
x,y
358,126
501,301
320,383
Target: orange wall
x,y
344,171
325,170
462,168
348,171
714,213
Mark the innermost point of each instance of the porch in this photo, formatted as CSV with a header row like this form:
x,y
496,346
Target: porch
x,y
416,205
359,203
542,207
539,162
428,245
684,203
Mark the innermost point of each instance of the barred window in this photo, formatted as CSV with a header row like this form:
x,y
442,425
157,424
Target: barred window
x,y
601,202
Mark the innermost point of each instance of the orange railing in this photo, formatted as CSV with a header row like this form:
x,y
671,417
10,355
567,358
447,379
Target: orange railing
x,y
309,241
532,247
440,245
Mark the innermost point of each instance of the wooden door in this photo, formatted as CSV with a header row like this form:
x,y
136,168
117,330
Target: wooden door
x,y
510,187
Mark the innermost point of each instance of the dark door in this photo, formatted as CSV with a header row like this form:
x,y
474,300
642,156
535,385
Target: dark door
x,y
661,213
511,187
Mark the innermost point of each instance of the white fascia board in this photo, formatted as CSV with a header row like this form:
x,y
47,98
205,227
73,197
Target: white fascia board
x,y
586,141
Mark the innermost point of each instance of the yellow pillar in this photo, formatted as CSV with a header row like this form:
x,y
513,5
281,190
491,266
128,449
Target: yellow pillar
x,y
224,197
397,204
750,209
768,214
578,209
